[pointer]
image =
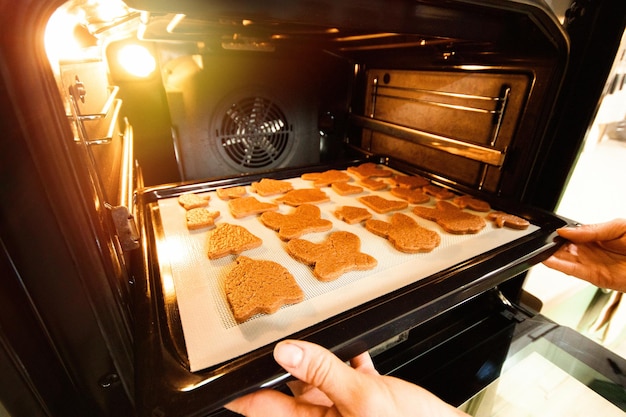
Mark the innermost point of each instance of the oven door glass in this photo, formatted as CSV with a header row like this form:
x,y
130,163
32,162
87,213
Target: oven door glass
x,y
553,370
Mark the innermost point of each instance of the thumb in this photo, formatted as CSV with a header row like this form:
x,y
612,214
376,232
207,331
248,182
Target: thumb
x,y
594,232
317,366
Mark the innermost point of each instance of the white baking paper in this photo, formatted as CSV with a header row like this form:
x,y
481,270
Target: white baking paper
x,y
211,334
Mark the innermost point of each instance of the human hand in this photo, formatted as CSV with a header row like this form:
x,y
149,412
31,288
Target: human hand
x,y
595,253
328,387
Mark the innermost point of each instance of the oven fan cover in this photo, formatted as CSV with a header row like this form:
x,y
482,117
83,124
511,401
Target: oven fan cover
x,y
253,133
241,114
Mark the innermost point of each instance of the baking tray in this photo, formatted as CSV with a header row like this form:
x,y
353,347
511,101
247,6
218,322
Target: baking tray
x,y
213,336
355,313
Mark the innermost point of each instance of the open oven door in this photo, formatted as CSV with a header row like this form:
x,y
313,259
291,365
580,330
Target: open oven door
x,y
504,359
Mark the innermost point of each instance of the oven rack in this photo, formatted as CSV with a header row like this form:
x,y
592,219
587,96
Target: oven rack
x,y
484,154
492,105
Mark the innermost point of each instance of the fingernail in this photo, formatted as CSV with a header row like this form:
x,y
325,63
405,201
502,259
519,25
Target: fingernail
x,y
288,354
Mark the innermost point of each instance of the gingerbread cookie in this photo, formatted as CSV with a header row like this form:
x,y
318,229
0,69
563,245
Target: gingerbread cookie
x,y
451,218
374,185
409,181
343,188
303,196
200,218
338,254
231,192
439,193
352,215
230,239
259,287
467,201
247,206
192,200
269,186
304,219
502,219
405,234
382,205
413,196
369,169
324,179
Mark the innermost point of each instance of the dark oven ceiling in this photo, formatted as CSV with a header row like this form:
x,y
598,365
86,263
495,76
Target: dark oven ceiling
x,y
349,25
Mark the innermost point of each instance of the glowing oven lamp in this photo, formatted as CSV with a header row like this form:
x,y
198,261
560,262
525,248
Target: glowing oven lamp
x,y
136,60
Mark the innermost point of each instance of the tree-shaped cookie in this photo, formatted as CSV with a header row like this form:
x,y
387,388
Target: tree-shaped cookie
x,y
451,218
227,239
405,234
304,219
259,287
338,254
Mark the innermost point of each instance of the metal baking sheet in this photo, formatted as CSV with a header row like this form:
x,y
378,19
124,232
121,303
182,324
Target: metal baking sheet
x,y
211,334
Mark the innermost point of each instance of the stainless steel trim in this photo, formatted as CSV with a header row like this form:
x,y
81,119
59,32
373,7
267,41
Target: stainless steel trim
x,y
126,177
112,127
105,109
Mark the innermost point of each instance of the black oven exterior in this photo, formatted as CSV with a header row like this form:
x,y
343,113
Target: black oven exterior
x,y
69,343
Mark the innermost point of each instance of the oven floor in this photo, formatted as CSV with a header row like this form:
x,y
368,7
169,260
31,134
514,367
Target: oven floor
x,y
590,197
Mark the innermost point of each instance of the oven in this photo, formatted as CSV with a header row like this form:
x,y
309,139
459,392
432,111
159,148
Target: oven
x,y
110,304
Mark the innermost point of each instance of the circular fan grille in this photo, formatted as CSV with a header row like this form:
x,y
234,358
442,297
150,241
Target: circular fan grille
x,y
254,133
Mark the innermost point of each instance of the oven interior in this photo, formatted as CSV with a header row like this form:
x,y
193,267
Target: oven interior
x,y
239,91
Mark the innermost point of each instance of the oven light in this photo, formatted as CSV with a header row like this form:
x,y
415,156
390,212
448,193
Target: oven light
x,y
109,10
136,60
60,40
